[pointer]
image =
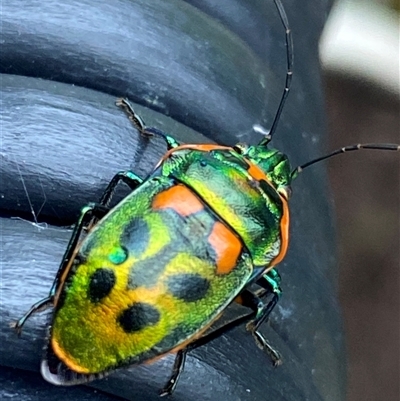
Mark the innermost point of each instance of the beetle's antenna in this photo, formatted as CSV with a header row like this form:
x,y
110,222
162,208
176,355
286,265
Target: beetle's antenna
x,y
289,71
374,146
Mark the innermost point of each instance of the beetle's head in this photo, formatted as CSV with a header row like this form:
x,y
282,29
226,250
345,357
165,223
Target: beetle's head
x,y
273,163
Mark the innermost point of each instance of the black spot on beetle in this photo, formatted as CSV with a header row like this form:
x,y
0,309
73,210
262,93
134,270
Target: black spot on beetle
x,y
188,287
135,237
138,316
146,272
101,283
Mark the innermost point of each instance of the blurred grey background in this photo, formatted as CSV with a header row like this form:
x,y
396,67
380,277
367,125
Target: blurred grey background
x,y
359,53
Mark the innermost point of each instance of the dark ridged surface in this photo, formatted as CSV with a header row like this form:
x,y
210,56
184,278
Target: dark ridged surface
x,y
217,67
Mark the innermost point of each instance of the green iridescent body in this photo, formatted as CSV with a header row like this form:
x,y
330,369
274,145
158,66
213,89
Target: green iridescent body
x,y
165,262
154,273
252,207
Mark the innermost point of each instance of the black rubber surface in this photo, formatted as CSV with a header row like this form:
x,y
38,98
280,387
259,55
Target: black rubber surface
x,y
209,67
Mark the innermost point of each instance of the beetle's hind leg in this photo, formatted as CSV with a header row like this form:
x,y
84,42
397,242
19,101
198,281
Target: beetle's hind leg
x,y
90,214
180,358
177,370
39,306
260,312
140,125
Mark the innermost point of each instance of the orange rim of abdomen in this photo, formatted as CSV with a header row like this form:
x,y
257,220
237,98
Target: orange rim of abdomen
x,y
67,359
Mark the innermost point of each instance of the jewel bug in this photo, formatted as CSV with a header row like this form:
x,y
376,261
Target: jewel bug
x,y
157,270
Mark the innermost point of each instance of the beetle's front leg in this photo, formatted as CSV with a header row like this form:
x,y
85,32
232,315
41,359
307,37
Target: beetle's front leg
x,y
140,125
128,177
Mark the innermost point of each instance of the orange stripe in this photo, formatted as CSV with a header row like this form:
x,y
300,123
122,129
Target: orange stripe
x,y
284,234
256,172
226,246
178,198
202,147
66,359
239,299
259,174
62,279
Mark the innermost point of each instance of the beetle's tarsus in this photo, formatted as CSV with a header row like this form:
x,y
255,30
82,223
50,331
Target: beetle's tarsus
x,y
177,370
264,345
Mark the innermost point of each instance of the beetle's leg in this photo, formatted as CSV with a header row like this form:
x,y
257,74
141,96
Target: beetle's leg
x,y
260,311
90,211
171,141
87,213
41,305
180,358
128,177
248,299
270,282
177,370
263,311
140,125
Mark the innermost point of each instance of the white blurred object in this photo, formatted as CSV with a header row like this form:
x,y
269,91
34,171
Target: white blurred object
x,y
361,39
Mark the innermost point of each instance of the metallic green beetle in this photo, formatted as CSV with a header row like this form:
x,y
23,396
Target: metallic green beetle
x,y
157,270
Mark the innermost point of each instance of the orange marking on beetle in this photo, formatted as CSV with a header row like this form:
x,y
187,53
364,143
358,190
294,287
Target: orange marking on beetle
x,y
227,247
65,358
284,234
180,199
205,147
256,172
65,274
239,299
